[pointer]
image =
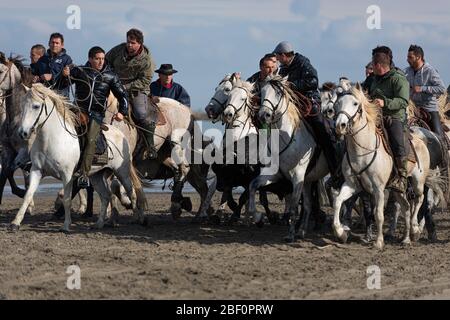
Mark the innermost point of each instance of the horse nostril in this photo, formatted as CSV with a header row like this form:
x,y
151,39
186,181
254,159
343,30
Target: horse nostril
x,y
343,125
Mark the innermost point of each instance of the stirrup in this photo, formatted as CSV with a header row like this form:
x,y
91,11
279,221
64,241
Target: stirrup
x,y
83,182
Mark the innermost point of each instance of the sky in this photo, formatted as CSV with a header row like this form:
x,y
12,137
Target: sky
x,y
207,39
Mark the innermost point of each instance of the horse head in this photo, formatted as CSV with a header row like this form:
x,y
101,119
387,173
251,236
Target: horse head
x,y
349,109
272,96
217,103
238,101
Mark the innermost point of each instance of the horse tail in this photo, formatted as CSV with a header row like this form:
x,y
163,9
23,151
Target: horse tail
x,y
436,182
137,186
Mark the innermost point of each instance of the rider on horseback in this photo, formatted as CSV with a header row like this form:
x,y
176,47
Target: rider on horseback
x,y
304,77
390,91
133,63
425,86
94,81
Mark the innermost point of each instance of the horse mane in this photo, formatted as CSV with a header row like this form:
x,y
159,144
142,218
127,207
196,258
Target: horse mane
x,y
61,103
17,60
374,115
294,102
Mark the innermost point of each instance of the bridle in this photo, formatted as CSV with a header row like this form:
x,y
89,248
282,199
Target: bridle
x,y
352,135
43,107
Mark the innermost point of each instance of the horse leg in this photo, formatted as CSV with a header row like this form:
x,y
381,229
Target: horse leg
x,y
98,181
35,178
200,185
315,195
417,202
136,197
258,182
368,216
26,176
425,215
68,185
307,205
345,193
3,179
379,217
14,188
271,215
393,209
89,198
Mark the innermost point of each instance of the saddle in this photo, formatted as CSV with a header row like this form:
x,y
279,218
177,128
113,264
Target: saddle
x,y
382,132
422,119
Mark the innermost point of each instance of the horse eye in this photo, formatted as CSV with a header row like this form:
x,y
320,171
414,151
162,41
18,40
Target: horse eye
x,y
36,106
355,103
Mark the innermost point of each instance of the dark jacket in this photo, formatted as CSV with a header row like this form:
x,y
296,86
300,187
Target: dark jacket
x,y
34,69
303,75
368,82
393,89
54,65
105,81
176,92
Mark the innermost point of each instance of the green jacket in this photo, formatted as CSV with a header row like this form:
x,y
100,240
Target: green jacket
x,y
393,88
135,73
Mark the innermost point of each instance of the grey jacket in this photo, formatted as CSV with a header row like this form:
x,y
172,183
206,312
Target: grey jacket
x,y
431,84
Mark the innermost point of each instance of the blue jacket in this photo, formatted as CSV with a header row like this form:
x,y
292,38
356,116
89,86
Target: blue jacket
x,y
177,92
54,65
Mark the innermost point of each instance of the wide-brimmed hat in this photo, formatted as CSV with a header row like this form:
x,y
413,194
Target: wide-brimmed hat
x,y
166,69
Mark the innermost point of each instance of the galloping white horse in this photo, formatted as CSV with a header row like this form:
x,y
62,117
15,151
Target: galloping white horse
x,y
368,165
55,152
296,149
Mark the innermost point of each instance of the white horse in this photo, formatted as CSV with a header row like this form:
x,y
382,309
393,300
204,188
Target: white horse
x,y
55,152
368,165
296,149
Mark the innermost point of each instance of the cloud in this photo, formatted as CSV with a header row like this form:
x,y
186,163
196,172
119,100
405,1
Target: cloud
x,y
306,8
39,26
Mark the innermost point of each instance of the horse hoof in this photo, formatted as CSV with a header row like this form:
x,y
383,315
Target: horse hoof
x,y
260,224
176,214
13,227
379,245
432,237
415,236
273,218
214,219
186,204
389,237
406,242
302,234
289,238
344,236
65,231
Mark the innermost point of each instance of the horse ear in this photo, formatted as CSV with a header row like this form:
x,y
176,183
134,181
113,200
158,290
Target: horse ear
x,y
285,79
358,86
25,87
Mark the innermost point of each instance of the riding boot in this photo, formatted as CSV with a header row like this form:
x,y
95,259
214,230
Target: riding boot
x,y
436,125
399,182
149,134
88,154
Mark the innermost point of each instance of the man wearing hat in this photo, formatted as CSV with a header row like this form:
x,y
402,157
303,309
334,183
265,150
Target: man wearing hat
x,y
167,88
304,77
